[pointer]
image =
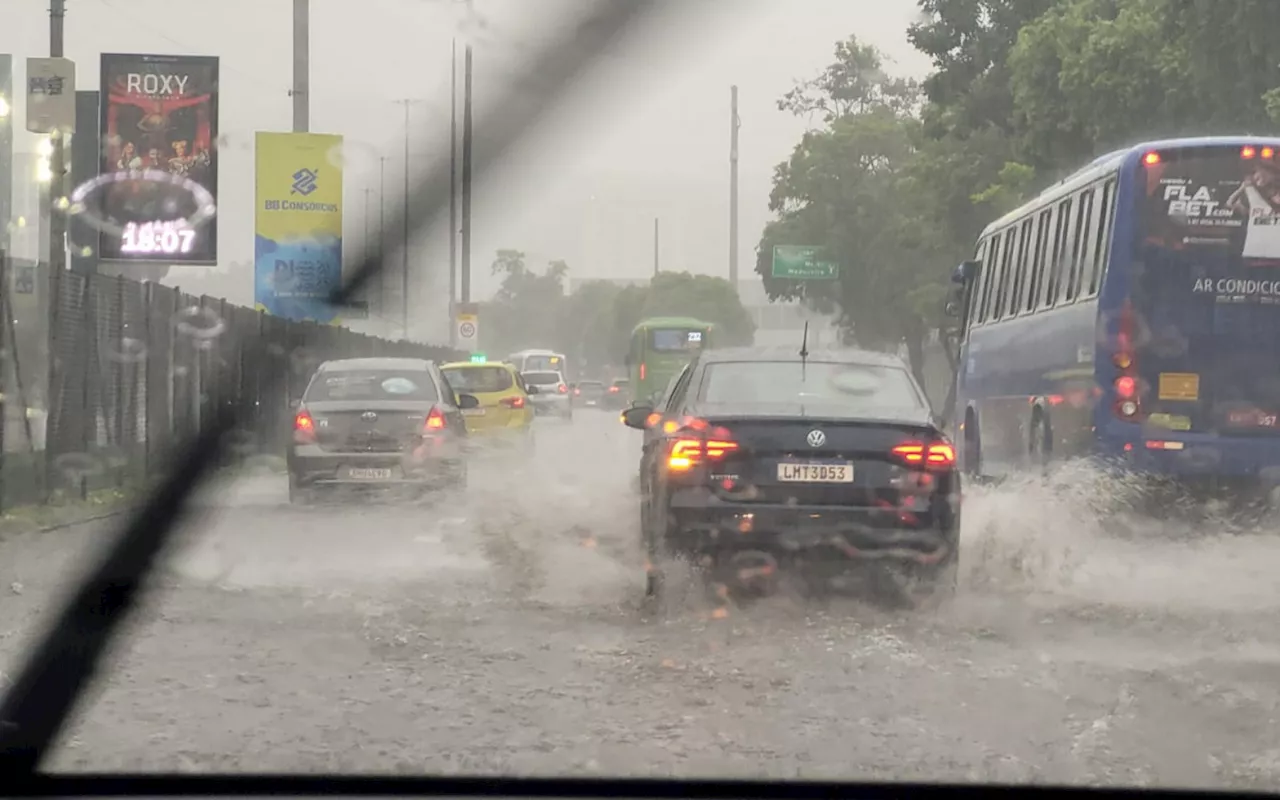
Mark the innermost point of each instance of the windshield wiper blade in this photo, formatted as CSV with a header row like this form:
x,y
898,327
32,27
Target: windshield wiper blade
x,y
64,660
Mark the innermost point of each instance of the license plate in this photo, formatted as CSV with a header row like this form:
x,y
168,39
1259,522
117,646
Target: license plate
x,y
790,472
368,474
1260,419
473,412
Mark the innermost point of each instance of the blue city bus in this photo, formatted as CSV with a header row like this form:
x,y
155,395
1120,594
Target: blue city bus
x,y
1130,313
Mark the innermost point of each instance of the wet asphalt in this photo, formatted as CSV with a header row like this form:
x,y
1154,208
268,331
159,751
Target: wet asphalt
x,y
500,631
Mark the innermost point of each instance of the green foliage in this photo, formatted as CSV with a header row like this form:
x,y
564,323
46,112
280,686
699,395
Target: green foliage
x,y
896,180
593,324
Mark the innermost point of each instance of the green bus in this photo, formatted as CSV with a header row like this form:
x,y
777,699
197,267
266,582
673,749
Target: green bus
x,y
660,347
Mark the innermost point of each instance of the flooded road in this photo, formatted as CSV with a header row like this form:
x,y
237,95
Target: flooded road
x,y
500,631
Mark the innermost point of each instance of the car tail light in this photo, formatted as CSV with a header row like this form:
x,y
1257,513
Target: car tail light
x,y
513,402
688,453
698,442
613,390
577,391
936,455
562,389
435,421
304,427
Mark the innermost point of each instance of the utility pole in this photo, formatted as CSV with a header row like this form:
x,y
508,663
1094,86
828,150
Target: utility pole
x,y
301,92
404,277
655,247
382,236
453,189
734,124
57,185
466,177
368,240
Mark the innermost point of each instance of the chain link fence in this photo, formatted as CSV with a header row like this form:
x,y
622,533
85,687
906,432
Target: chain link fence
x,y
136,367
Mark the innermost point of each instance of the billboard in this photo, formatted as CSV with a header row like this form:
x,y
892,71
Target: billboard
x,y
157,189
297,252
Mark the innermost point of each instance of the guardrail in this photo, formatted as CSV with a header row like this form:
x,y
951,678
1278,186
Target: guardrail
x,y
136,366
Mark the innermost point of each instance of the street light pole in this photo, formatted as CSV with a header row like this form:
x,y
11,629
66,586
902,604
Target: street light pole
x,y
404,278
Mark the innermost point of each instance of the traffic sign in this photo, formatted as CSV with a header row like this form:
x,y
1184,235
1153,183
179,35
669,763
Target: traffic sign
x,y
468,326
794,262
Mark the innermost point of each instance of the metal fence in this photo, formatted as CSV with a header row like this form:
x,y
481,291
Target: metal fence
x,y
137,366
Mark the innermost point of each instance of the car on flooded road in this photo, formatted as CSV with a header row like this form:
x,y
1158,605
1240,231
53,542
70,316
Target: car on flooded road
x,y
589,394
551,396
618,395
504,417
378,423
757,460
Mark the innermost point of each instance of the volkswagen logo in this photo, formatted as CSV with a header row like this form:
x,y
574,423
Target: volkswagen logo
x,y
816,438
369,416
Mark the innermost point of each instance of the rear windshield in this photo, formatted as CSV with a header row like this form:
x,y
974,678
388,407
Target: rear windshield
x,y
541,378
533,363
372,385
674,340
478,379
856,387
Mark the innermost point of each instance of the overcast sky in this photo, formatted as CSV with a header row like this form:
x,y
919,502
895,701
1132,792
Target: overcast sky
x,y
645,136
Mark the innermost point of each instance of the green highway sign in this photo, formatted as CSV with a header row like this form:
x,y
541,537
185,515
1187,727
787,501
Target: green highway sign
x,y
798,263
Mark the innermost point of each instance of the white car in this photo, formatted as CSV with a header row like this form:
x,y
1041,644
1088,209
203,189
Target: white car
x,y
552,395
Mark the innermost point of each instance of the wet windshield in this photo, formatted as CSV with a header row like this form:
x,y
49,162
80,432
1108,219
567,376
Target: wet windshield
x,y
1040,547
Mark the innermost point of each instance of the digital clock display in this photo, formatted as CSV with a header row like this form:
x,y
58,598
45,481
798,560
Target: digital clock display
x,y
168,238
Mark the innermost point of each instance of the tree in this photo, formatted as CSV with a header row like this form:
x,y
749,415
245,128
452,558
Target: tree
x,y
709,298
852,188
525,311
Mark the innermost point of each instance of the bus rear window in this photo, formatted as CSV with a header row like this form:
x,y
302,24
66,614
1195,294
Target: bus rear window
x,y
1220,203
675,341
543,363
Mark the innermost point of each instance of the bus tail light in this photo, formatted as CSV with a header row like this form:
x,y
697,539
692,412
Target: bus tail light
x,y
642,370
1128,403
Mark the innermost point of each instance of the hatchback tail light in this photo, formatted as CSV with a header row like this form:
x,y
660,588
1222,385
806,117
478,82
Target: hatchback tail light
x,y
562,389
304,427
935,455
435,421
513,402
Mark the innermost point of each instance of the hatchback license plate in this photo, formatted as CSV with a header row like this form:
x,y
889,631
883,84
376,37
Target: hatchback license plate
x,y
791,472
368,474
473,412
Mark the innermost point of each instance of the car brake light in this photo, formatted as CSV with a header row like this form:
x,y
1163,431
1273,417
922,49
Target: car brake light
x,y
613,390
688,453
562,389
513,402
938,455
435,421
304,428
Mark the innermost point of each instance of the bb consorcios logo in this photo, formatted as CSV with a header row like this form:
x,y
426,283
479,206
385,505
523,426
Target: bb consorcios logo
x,y
304,182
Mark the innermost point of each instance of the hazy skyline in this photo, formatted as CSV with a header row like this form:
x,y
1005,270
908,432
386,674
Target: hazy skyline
x,y
644,136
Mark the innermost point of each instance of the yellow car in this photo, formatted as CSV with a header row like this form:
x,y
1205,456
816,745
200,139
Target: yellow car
x,y
505,413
